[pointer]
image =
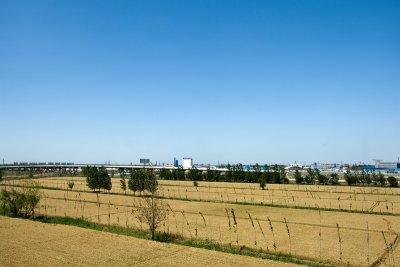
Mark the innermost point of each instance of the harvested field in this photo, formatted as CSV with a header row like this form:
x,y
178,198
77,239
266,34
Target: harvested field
x,y
60,245
362,199
306,233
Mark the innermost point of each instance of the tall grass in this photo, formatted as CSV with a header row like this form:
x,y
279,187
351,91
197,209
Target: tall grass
x,y
368,257
340,244
254,229
320,235
262,232
230,227
205,224
187,223
98,207
273,235
290,238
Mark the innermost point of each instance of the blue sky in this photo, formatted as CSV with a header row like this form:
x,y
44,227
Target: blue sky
x,y
238,81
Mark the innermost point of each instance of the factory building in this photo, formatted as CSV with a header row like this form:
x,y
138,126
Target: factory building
x,y
187,163
386,165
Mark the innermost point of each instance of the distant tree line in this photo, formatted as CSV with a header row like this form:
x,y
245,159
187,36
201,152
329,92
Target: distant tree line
x,y
234,173
360,178
145,179
369,178
314,176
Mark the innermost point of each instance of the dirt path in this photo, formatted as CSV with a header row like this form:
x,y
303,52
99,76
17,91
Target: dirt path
x,y
28,243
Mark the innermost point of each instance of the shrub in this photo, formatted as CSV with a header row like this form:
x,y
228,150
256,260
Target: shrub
x,y
11,202
71,185
351,179
32,197
263,183
378,179
392,181
334,179
322,179
310,177
195,183
20,203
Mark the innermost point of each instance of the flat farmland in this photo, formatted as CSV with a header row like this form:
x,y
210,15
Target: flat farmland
x,y
363,199
297,229
56,245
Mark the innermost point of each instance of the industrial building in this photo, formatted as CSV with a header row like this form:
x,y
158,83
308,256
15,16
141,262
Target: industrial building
x,y
379,164
187,163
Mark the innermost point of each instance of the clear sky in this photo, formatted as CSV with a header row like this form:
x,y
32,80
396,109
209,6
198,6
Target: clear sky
x,y
238,81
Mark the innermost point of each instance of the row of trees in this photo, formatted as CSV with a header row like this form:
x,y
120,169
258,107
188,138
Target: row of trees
x,y
139,180
145,180
369,178
314,176
235,173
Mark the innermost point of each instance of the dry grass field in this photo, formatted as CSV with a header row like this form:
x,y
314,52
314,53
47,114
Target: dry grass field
x,y
370,199
28,243
331,236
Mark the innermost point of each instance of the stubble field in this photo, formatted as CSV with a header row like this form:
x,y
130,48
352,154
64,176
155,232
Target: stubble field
x,y
61,245
337,225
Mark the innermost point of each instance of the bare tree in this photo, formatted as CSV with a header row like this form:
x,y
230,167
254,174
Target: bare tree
x,y
152,211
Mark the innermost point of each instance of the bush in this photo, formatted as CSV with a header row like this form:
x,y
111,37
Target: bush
x,y
32,197
334,179
378,179
20,203
263,183
310,177
351,179
71,185
392,181
195,183
322,179
11,202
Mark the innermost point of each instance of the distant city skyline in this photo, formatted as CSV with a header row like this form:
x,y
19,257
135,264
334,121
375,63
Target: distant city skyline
x,y
171,162
217,81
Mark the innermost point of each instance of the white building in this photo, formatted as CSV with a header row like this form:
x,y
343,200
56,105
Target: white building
x,y
379,164
387,165
187,163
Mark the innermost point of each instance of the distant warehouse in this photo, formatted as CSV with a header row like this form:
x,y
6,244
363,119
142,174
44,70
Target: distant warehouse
x,y
386,165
